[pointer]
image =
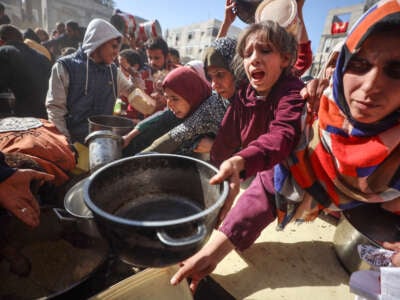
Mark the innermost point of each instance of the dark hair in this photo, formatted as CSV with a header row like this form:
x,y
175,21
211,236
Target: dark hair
x,y
10,33
2,8
73,25
173,52
118,22
133,57
30,34
157,43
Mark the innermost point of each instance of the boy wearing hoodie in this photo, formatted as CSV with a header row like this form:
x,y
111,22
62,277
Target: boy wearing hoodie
x,y
87,82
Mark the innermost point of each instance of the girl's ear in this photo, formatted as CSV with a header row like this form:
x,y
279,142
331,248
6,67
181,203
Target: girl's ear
x,y
285,60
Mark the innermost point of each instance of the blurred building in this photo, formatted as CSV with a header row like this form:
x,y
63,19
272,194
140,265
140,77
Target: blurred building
x,y
191,40
338,22
46,13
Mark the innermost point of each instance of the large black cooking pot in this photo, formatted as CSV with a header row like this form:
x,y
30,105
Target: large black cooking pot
x,y
47,261
155,209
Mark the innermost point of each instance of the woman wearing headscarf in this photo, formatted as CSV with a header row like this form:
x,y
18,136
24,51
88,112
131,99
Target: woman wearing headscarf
x,y
195,133
349,156
184,90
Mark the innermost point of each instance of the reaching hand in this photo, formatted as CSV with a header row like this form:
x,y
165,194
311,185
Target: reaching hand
x,y
229,18
230,12
312,92
229,169
396,248
16,196
126,139
204,145
203,262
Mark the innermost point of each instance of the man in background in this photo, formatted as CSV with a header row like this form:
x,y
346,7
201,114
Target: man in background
x,y
4,19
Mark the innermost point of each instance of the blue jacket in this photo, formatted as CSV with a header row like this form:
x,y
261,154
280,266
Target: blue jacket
x,y
90,92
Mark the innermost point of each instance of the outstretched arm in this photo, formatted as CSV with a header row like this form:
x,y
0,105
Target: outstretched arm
x,y
229,18
16,196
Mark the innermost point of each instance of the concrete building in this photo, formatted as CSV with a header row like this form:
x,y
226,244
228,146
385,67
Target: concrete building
x,y
328,39
191,40
46,13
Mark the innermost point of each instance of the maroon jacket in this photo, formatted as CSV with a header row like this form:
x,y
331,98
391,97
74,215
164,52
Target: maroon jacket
x,y
262,131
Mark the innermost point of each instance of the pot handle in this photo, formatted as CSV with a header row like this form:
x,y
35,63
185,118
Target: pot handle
x,y
166,239
61,215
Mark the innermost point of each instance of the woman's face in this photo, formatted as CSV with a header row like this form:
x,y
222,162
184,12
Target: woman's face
x,y
177,104
222,81
371,82
263,63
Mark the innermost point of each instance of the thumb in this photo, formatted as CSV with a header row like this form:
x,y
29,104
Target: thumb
x,y
219,177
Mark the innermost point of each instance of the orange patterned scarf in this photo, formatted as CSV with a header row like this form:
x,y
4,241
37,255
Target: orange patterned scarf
x,y
340,163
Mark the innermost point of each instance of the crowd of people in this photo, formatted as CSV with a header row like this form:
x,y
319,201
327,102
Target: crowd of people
x,y
329,145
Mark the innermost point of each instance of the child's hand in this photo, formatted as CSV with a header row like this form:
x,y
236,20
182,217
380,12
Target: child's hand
x,y
312,92
230,12
396,248
229,169
204,145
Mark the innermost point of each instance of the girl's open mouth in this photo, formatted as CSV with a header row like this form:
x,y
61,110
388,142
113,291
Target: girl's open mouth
x,y
257,75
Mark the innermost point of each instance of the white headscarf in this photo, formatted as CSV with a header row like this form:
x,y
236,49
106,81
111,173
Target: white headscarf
x,y
198,66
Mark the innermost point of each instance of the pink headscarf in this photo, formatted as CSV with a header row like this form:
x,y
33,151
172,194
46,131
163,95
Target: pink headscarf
x,y
188,84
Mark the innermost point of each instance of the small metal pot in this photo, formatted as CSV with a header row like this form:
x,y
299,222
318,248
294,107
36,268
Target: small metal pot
x,y
104,147
366,224
118,125
76,212
155,209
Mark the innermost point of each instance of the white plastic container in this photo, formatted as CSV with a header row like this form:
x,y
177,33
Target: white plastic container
x,y
284,12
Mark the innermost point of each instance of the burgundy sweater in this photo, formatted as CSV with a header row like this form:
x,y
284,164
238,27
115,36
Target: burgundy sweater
x,y
262,131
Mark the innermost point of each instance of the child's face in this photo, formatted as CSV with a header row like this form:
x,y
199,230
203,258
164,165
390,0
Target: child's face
x,y
330,69
263,63
156,59
371,82
124,65
177,104
222,81
108,52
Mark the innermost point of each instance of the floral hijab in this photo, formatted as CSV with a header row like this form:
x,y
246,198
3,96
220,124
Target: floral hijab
x,y
341,163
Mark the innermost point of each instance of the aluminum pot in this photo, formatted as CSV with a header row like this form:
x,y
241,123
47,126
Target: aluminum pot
x,y
155,209
366,224
118,125
76,212
104,147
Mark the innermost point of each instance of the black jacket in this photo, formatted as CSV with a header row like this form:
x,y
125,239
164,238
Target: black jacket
x,y
26,73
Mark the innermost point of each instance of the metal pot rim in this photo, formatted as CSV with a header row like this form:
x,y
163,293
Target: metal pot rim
x,y
97,211
75,191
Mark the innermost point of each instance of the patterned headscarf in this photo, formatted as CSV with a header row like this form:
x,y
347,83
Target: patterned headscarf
x,y
188,84
341,163
220,53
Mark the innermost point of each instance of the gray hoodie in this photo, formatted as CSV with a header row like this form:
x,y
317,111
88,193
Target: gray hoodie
x,y
97,33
